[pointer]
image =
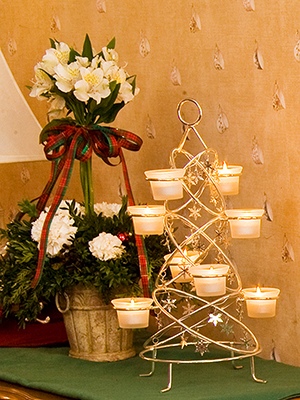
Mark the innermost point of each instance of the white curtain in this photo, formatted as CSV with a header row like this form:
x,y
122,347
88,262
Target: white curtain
x,y
19,128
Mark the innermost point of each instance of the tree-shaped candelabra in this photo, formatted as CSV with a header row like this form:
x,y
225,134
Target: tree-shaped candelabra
x,y
198,297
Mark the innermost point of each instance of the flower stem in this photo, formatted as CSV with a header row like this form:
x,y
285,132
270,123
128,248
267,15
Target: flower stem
x,y
87,185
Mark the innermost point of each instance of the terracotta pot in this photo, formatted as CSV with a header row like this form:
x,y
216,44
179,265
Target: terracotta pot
x,y
92,327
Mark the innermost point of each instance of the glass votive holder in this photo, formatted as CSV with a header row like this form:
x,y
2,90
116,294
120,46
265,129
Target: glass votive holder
x,y
178,263
166,184
210,279
147,220
133,313
261,302
229,179
244,223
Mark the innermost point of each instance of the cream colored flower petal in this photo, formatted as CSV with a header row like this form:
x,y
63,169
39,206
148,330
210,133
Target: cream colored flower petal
x,y
81,90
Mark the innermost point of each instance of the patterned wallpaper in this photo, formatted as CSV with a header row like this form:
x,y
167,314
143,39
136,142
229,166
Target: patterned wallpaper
x,y
241,61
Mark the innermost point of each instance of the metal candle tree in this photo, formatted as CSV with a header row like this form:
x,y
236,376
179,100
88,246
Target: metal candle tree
x,y
198,298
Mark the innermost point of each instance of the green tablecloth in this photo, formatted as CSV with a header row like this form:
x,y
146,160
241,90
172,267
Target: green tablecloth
x,y
52,370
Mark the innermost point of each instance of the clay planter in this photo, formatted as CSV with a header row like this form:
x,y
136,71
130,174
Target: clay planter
x,y
92,327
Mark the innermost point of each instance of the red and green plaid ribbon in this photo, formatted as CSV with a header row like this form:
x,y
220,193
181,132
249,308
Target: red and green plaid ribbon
x,y
65,143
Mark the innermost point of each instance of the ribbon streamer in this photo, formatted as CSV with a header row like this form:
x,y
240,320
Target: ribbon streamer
x,y
62,145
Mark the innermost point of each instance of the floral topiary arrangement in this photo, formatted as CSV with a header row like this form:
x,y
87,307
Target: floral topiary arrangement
x,y
97,249
54,248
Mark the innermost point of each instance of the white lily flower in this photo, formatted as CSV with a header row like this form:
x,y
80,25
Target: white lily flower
x,y
126,92
43,83
112,72
66,76
57,106
95,62
110,54
93,85
83,61
53,57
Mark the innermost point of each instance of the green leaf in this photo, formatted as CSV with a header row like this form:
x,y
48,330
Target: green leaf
x,y
110,116
52,42
73,54
87,48
132,80
29,208
112,43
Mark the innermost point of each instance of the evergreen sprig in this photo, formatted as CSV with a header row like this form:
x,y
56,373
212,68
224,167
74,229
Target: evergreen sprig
x,y
73,265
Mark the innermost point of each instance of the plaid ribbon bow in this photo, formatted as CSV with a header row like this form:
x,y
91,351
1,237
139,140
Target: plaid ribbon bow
x,y
65,143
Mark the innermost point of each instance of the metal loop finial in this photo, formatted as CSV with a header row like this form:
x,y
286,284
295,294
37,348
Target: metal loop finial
x,y
179,107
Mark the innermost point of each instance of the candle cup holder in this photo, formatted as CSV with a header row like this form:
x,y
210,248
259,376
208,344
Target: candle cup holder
x,y
147,220
133,313
166,183
229,179
178,264
261,303
244,223
210,279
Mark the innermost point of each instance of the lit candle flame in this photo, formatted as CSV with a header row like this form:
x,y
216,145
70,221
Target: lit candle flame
x,y
258,291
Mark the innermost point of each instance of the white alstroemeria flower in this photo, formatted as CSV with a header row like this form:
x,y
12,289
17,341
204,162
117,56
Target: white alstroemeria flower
x,y
57,106
53,57
61,231
106,246
95,62
110,55
43,83
107,209
112,72
83,61
67,75
126,92
92,85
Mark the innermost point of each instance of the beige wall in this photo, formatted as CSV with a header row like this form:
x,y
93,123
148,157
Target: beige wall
x,y
243,91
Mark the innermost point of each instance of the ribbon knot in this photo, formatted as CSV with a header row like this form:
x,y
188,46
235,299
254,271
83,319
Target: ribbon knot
x,y
65,143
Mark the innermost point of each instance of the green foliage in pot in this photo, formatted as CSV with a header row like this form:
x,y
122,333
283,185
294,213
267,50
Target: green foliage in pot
x,y
92,249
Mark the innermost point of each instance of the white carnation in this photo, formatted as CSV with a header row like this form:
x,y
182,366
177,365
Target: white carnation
x,y
106,246
107,209
61,230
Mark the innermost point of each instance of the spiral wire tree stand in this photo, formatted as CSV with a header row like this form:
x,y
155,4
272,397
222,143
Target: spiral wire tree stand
x,y
187,322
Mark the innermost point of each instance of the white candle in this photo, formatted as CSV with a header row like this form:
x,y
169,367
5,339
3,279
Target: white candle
x,y
261,302
179,263
166,183
244,223
229,179
133,313
147,220
210,279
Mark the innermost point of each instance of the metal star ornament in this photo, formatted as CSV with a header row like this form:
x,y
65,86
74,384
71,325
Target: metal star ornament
x,y
201,347
169,304
215,319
